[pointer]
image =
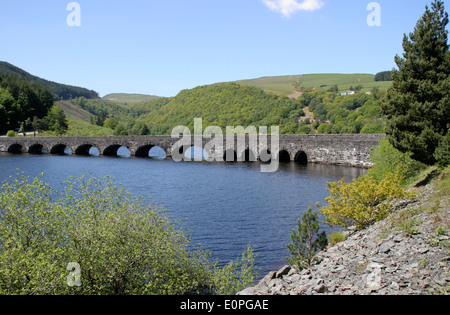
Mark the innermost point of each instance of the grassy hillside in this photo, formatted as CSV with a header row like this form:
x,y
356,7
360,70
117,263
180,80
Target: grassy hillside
x,y
282,85
288,85
124,98
74,111
324,82
59,91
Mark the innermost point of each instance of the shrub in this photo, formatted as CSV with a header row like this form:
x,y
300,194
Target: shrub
x,y
388,159
11,134
442,153
336,237
122,244
305,241
362,202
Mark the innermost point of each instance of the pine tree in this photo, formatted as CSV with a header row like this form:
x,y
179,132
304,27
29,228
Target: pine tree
x,y
418,104
305,241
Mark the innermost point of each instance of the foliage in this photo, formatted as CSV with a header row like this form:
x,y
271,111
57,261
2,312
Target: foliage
x,y
384,76
364,201
336,114
388,159
442,153
230,104
223,104
11,134
336,237
110,123
57,121
418,104
305,242
20,100
123,245
236,276
58,91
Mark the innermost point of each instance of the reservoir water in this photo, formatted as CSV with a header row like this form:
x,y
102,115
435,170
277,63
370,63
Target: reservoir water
x,y
226,205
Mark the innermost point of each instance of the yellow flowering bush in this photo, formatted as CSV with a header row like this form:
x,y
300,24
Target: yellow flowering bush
x,y
364,201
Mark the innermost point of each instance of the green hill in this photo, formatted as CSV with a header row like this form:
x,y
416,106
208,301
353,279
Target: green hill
x,y
59,91
125,98
222,104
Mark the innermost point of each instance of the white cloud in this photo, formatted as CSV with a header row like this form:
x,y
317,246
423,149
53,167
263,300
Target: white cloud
x,y
288,7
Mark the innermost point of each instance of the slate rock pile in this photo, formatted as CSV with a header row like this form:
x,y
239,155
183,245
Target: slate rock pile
x,y
407,253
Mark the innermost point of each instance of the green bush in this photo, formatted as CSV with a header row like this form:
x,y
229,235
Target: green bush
x,y
442,153
388,159
123,245
11,134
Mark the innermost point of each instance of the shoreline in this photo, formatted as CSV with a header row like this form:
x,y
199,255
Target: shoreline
x,y
408,253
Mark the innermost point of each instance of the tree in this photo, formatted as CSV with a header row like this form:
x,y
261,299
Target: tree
x,y
417,105
305,242
110,123
58,120
384,76
123,245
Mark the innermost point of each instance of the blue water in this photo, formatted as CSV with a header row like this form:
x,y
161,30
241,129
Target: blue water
x,y
226,206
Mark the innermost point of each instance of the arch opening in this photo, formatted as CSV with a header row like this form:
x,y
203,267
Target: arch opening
x,y
87,150
117,150
195,153
15,149
157,153
36,149
60,149
284,156
230,156
301,158
249,156
144,151
265,156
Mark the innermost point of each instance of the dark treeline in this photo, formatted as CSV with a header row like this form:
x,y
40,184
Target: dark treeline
x,y
384,76
21,100
59,91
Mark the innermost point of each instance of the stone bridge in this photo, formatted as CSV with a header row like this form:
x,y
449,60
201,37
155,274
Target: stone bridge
x,y
350,150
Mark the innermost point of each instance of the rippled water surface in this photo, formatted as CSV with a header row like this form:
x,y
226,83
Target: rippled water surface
x,y
227,206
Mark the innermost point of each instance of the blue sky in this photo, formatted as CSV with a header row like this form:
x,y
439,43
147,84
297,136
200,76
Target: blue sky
x,y
161,47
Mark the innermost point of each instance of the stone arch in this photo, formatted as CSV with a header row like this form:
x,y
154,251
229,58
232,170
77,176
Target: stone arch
x,y
284,156
157,152
84,149
113,150
301,158
230,155
249,156
58,149
144,151
15,149
195,153
265,156
36,149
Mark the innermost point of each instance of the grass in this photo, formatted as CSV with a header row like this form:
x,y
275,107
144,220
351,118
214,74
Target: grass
x,y
124,98
79,128
436,205
74,111
324,82
287,85
282,85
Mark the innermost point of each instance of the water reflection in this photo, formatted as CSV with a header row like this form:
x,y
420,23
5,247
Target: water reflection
x,y
227,205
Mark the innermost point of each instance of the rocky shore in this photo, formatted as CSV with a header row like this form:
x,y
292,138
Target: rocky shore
x,y
408,253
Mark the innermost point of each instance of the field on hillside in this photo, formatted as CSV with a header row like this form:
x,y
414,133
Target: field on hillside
x,y
124,98
287,85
